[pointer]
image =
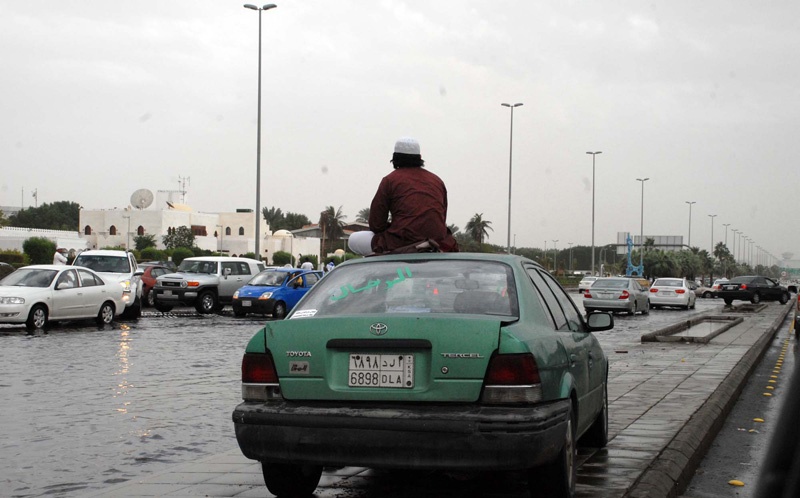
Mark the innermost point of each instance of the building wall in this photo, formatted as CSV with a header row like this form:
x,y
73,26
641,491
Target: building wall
x,y
12,238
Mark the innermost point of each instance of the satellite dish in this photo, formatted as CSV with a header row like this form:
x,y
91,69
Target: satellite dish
x,y
142,198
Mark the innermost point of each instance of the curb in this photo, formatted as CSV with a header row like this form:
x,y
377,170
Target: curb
x,y
672,470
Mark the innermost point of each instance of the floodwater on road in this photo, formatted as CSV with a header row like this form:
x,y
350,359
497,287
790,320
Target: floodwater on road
x,y
84,408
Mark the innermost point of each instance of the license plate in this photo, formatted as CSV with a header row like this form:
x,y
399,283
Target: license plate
x,y
381,370
730,287
247,303
167,293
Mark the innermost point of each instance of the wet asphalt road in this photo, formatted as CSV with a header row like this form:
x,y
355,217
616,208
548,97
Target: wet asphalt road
x,y
84,408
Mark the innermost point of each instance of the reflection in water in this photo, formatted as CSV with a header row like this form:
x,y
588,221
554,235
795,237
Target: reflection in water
x,y
122,356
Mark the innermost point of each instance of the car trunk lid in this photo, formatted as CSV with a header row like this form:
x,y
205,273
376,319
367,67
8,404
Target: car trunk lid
x,y
383,358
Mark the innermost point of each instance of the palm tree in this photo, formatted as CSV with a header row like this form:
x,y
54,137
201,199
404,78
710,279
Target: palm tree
x,y
363,215
477,228
331,221
273,216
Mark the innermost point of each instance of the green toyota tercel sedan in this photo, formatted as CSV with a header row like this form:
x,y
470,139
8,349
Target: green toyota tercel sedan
x,y
452,361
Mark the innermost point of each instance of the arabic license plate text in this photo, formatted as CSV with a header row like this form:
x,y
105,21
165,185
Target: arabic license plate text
x,y
381,370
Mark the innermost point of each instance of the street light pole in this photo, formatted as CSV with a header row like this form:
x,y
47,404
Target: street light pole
x,y
555,256
712,216
733,251
689,243
510,154
726,225
641,242
570,256
258,133
593,156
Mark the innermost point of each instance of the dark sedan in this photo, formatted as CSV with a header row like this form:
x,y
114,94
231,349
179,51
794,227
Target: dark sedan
x,y
754,289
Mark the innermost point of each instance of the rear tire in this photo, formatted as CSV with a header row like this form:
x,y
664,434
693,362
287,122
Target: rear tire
x,y
706,295
37,318
557,478
151,299
290,480
106,314
728,301
756,298
646,310
784,298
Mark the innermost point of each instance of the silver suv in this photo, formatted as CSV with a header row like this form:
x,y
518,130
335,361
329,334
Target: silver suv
x,y
117,266
207,283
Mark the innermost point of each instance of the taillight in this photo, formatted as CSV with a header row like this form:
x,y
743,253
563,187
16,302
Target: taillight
x,y
512,378
680,291
259,378
743,287
653,289
625,295
259,368
587,294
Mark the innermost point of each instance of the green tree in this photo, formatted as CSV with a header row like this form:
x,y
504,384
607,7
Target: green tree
x,y
181,253
477,228
179,237
3,219
363,215
153,254
61,215
331,221
280,258
294,221
40,250
273,216
144,241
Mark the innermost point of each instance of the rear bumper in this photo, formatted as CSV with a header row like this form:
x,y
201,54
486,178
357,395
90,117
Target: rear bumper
x,y
735,295
608,304
458,437
668,301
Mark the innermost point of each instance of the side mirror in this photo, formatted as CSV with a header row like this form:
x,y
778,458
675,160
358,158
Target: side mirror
x,y
226,272
600,321
138,273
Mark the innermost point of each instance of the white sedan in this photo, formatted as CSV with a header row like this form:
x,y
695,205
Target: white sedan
x,y
37,294
672,292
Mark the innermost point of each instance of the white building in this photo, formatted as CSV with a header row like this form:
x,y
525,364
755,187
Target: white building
x,y
231,233
12,238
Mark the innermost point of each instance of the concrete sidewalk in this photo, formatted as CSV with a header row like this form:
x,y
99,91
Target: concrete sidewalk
x,y
667,401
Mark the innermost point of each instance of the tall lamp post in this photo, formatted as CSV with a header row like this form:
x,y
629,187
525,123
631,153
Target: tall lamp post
x,y
689,243
510,154
258,134
570,256
555,256
593,156
712,216
733,251
641,242
726,225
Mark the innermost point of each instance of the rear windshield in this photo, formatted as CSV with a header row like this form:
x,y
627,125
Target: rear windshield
x,y
104,264
455,286
610,284
741,280
668,283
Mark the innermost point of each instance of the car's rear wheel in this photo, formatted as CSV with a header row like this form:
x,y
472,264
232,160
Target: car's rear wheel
x,y
706,294
646,310
291,480
557,478
597,435
784,298
206,303
164,308
106,314
37,318
634,310
728,301
151,299
756,298
279,311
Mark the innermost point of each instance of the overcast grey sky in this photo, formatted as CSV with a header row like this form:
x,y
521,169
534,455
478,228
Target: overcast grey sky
x,y
101,98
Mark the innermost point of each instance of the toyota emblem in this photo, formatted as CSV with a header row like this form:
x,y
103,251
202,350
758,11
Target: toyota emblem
x,y
378,329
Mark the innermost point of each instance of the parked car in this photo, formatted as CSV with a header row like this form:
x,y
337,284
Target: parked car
x,y
673,292
426,361
119,266
754,289
37,294
151,272
274,291
207,283
616,294
5,269
585,283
